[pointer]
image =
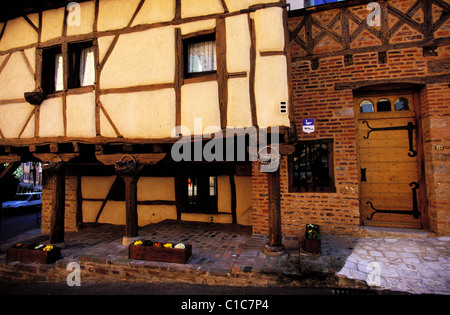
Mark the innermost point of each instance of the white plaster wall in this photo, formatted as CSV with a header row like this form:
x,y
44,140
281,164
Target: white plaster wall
x,y
200,100
52,24
192,27
154,11
80,112
141,114
239,110
140,58
115,14
190,8
87,12
16,79
51,122
271,87
269,29
156,188
238,43
18,33
13,118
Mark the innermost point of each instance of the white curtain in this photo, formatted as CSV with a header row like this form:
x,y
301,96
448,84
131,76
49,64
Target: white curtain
x,y
59,79
87,67
202,57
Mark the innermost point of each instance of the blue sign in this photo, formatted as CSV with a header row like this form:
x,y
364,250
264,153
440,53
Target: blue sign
x,y
308,125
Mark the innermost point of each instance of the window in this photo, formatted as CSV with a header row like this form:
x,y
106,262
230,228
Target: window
x,y
366,106
311,166
200,194
81,67
52,70
384,105
199,55
401,104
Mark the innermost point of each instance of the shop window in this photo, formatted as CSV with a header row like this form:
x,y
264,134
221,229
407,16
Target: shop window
x,y
200,55
200,194
81,67
311,167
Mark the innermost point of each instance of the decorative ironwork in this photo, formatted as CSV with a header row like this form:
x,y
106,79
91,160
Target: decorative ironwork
x,y
415,207
410,127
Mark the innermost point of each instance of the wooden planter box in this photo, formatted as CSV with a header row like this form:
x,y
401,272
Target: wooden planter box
x,y
171,255
312,246
33,256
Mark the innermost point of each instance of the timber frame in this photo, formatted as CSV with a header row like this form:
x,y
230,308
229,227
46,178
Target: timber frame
x,y
11,148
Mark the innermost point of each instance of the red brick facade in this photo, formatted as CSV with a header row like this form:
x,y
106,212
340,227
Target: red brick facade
x,y
331,58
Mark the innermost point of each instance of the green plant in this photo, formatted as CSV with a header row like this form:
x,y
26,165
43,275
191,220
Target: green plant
x,y
312,232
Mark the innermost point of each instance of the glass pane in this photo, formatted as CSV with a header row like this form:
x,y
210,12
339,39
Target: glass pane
x,y
202,57
384,105
87,66
59,72
401,104
212,185
366,106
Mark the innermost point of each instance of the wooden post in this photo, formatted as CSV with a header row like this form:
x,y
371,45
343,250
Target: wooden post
x,y
274,247
58,206
131,207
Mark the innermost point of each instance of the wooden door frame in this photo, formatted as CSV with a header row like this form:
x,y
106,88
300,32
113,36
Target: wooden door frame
x,y
414,91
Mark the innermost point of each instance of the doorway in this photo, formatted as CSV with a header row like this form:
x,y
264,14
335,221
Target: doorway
x,y
388,159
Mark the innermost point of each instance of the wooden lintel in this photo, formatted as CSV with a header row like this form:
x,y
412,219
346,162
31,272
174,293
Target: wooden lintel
x,y
65,157
9,158
143,159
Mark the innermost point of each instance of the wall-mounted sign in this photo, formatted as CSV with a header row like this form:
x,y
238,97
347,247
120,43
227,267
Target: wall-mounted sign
x,y
308,125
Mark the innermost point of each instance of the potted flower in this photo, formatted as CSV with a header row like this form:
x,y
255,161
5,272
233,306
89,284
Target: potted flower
x,y
312,238
160,251
33,253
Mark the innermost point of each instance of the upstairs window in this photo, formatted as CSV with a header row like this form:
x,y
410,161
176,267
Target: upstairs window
x,y
80,67
311,169
200,55
52,70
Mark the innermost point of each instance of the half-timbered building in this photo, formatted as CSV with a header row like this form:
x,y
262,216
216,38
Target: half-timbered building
x,y
147,110
119,100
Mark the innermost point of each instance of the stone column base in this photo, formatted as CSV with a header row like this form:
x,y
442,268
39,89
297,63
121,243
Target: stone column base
x,y
127,240
277,250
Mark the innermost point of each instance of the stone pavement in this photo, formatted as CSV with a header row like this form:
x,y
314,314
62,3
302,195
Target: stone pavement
x,y
228,254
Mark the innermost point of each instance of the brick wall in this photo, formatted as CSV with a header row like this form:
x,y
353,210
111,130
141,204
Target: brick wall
x,y
323,89
70,223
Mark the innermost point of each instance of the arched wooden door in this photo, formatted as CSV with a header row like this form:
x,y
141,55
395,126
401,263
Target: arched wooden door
x,y
388,159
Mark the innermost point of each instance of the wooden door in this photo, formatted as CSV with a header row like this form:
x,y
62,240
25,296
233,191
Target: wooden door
x,y
388,160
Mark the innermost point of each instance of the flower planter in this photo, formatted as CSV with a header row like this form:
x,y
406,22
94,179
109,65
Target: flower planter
x,y
171,255
33,256
312,246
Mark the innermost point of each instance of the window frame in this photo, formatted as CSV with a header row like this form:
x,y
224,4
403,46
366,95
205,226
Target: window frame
x,y
331,185
71,69
194,38
204,202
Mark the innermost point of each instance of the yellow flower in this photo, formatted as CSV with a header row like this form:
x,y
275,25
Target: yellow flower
x,y
137,243
47,248
168,245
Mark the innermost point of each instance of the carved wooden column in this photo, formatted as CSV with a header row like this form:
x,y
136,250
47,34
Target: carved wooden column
x,y
129,171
